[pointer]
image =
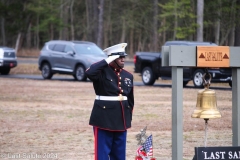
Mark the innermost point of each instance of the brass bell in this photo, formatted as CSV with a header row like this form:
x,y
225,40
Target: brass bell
x,y
206,106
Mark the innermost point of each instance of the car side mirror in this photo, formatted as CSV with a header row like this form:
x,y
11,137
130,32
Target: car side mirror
x,y
71,53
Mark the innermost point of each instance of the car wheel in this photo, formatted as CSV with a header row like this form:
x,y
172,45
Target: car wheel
x,y
46,71
147,76
5,71
197,78
80,73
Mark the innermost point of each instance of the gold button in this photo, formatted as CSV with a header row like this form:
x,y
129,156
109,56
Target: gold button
x,y
122,91
119,87
104,107
118,74
120,78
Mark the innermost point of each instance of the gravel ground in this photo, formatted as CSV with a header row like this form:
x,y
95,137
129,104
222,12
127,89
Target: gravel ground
x,y
50,118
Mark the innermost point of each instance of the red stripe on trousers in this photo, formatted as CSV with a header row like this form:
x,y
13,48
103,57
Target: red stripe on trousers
x,y
96,142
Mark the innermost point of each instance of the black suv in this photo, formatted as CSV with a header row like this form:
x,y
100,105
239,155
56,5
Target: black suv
x,y
222,75
8,60
68,57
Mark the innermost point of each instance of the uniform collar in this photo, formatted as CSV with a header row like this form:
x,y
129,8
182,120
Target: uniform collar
x,y
115,69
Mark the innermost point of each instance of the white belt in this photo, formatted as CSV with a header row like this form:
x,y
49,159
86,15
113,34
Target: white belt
x,y
111,98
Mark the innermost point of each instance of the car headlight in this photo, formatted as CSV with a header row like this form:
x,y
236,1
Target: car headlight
x,y
1,53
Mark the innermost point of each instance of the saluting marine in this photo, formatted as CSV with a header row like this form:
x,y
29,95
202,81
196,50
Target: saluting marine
x,y
112,110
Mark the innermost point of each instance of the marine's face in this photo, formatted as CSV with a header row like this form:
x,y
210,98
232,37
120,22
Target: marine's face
x,y
120,61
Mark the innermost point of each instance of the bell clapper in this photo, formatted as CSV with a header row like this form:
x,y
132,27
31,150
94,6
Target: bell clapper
x,y
206,123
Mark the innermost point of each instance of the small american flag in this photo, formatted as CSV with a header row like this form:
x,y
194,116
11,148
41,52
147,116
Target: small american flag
x,y
148,146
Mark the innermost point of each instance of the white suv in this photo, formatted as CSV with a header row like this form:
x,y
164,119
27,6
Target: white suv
x,y
8,60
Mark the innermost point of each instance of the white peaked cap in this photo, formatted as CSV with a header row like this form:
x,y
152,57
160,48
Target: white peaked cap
x,y
118,49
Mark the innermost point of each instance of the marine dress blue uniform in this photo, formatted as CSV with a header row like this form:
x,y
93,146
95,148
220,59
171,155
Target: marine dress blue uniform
x,y
112,110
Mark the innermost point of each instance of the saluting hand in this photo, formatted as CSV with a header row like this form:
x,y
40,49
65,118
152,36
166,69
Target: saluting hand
x,y
111,58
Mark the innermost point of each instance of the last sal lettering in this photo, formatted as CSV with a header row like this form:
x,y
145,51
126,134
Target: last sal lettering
x,y
234,155
214,155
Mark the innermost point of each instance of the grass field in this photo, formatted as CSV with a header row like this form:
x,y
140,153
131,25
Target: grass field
x,y
52,116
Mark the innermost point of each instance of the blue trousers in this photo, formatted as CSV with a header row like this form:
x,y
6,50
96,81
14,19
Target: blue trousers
x,y
109,145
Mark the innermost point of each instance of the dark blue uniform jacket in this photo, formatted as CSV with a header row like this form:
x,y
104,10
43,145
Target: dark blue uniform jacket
x,y
107,81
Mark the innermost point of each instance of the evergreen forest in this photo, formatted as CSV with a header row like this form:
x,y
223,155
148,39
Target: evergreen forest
x,y
144,24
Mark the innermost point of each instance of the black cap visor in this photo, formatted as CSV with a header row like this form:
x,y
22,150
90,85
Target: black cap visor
x,y
122,54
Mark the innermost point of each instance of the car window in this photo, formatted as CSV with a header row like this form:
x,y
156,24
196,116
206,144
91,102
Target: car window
x,y
88,49
51,46
59,47
67,49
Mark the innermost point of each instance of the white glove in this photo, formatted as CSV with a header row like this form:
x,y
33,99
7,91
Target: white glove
x,y
111,58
